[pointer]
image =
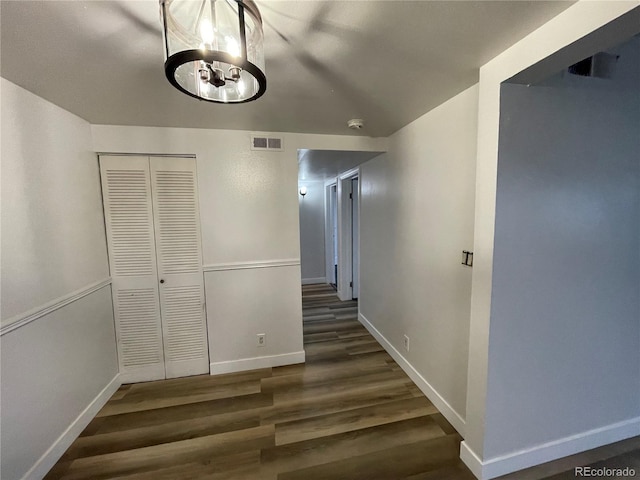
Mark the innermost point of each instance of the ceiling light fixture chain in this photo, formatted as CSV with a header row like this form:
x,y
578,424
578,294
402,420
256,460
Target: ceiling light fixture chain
x,y
214,49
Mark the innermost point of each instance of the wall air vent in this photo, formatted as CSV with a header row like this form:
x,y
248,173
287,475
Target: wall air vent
x,y
264,142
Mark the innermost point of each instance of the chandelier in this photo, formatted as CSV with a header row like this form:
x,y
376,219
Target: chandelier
x,y
213,49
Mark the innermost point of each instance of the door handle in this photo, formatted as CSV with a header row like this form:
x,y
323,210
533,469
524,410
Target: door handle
x,y
162,280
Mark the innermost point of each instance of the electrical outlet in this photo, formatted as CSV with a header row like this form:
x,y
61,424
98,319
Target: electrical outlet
x,y
406,343
262,339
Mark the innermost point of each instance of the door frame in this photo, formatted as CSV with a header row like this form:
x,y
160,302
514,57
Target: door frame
x,y
345,240
328,232
355,237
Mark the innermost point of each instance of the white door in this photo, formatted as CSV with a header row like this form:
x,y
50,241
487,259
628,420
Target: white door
x,y
177,233
334,233
126,191
152,218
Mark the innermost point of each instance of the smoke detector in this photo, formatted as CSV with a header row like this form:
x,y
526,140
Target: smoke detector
x,y
356,123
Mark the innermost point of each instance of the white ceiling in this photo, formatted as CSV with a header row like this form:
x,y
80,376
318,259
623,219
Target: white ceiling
x,y
327,61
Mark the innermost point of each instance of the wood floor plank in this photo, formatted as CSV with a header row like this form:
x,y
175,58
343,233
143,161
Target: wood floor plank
x,y
342,388
121,392
341,446
160,416
355,332
140,460
131,403
392,463
369,347
320,337
341,361
286,412
331,326
339,343
444,423
222,467
177,385
349,420
457,471
311,378
165,432
319,315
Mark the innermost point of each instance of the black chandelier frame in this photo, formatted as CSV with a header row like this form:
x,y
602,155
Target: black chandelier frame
x,y
173,62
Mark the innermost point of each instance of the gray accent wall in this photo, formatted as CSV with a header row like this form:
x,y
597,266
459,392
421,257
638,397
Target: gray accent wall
x,y
564,353
312,256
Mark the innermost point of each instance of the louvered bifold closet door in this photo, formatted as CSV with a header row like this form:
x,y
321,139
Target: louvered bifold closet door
x,y
126,191
177,226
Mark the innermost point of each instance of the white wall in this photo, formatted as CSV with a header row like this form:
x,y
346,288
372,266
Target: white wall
x,y
250,233
248,302
567,38
54,241
565,310
416,214
312,235
53,244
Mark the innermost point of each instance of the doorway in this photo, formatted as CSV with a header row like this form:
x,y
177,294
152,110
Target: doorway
x,y
332,234
348,195
355,238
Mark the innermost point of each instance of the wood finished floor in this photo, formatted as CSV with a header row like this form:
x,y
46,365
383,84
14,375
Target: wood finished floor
x,y
349,412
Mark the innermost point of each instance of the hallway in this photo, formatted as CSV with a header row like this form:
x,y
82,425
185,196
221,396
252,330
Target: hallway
x,y
394,432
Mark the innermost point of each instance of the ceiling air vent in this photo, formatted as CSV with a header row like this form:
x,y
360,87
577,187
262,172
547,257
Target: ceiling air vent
x,y
263,142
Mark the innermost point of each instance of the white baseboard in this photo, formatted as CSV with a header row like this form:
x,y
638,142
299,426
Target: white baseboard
x,y
440,403
255,363
546,452
64,441
471,460
311,281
